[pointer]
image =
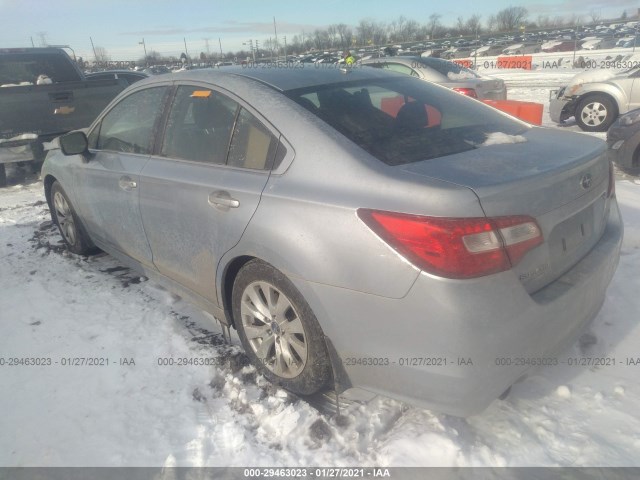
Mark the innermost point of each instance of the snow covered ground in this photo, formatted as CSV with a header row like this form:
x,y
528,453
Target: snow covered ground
x,y
127,409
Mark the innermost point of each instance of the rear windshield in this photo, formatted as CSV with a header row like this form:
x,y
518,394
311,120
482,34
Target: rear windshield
x,y
18,68
405,120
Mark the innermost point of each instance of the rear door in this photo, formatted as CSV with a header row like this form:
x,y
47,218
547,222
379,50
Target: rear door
x,y
199,193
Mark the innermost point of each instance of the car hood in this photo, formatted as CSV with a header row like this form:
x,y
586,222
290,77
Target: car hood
x,y
588,77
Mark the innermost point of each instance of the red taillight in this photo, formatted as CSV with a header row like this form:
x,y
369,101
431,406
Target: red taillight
x,y
456,247
470,92
611,189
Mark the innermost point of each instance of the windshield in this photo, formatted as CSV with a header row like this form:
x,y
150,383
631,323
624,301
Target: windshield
x,y
405,120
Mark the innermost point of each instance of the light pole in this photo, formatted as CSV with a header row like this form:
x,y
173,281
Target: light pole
x,y
144,45
253,53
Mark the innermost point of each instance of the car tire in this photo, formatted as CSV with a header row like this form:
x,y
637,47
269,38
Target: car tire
x,y
595,113
69,224
3,175
278,330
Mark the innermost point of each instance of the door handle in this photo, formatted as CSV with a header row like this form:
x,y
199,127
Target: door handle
x,y
127,184
222,200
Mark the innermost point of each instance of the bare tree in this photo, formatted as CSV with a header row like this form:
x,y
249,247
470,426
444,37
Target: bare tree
x,y
369,32
511,18
346,35
473,25
434,23
596,15
101,55
42,39
574,20
492,23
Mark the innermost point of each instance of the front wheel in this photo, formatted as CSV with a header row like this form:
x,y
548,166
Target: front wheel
x,y
278,329
595,113
68,222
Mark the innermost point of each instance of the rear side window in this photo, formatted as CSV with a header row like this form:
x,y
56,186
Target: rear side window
x,y
404,120
130,125
253,146
199,125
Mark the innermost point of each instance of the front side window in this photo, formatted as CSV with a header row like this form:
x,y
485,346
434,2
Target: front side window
x,y
199,125
130,125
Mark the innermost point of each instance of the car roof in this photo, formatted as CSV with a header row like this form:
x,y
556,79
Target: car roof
x,y
285,79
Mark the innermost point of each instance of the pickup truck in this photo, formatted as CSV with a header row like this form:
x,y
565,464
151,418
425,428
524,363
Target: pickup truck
x,y
596,98
44,94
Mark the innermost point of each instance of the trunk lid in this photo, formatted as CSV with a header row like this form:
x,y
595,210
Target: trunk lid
x,y
557,178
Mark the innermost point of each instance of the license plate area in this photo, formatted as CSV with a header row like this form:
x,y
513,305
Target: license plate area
x,y
571,235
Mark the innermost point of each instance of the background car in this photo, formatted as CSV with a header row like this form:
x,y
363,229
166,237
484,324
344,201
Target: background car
x,y
157,70
445,73
559,46
130,76
623,139
350,223
522,49
596,99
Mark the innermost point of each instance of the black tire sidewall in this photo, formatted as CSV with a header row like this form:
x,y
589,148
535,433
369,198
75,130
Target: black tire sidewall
x,y
610,118
83,244
3,175
317,372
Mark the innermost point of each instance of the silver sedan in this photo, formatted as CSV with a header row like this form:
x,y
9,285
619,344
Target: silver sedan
x,y
361,230
445,73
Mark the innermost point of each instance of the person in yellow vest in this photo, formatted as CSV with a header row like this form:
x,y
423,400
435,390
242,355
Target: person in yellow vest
x,y
349,59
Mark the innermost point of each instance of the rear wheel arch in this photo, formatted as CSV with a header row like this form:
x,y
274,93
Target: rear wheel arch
x,y
228,279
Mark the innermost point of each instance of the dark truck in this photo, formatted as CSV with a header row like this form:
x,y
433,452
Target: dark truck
x,y
43,94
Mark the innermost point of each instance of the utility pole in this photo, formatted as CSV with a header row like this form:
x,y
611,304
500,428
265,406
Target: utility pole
x,y
144,45
275,31
220,43
285,48
32,44
95,57
185,48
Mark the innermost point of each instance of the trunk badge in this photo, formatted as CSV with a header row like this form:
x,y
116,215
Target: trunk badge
x,y
585,181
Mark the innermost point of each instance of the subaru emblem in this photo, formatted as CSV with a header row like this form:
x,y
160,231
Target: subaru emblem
x,y
585,181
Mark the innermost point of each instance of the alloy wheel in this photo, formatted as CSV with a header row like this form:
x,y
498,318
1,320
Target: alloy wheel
x,y
274,329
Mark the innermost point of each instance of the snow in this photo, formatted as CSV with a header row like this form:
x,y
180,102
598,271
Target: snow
x,y
497,138
59,306
463,75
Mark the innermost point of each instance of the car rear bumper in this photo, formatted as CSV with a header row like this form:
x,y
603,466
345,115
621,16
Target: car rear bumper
x,y
455,346
23,148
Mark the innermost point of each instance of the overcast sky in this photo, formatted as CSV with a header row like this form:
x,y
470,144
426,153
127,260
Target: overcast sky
x,y
119,26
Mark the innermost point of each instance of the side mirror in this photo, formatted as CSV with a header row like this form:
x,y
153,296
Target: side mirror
x,y
74,143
